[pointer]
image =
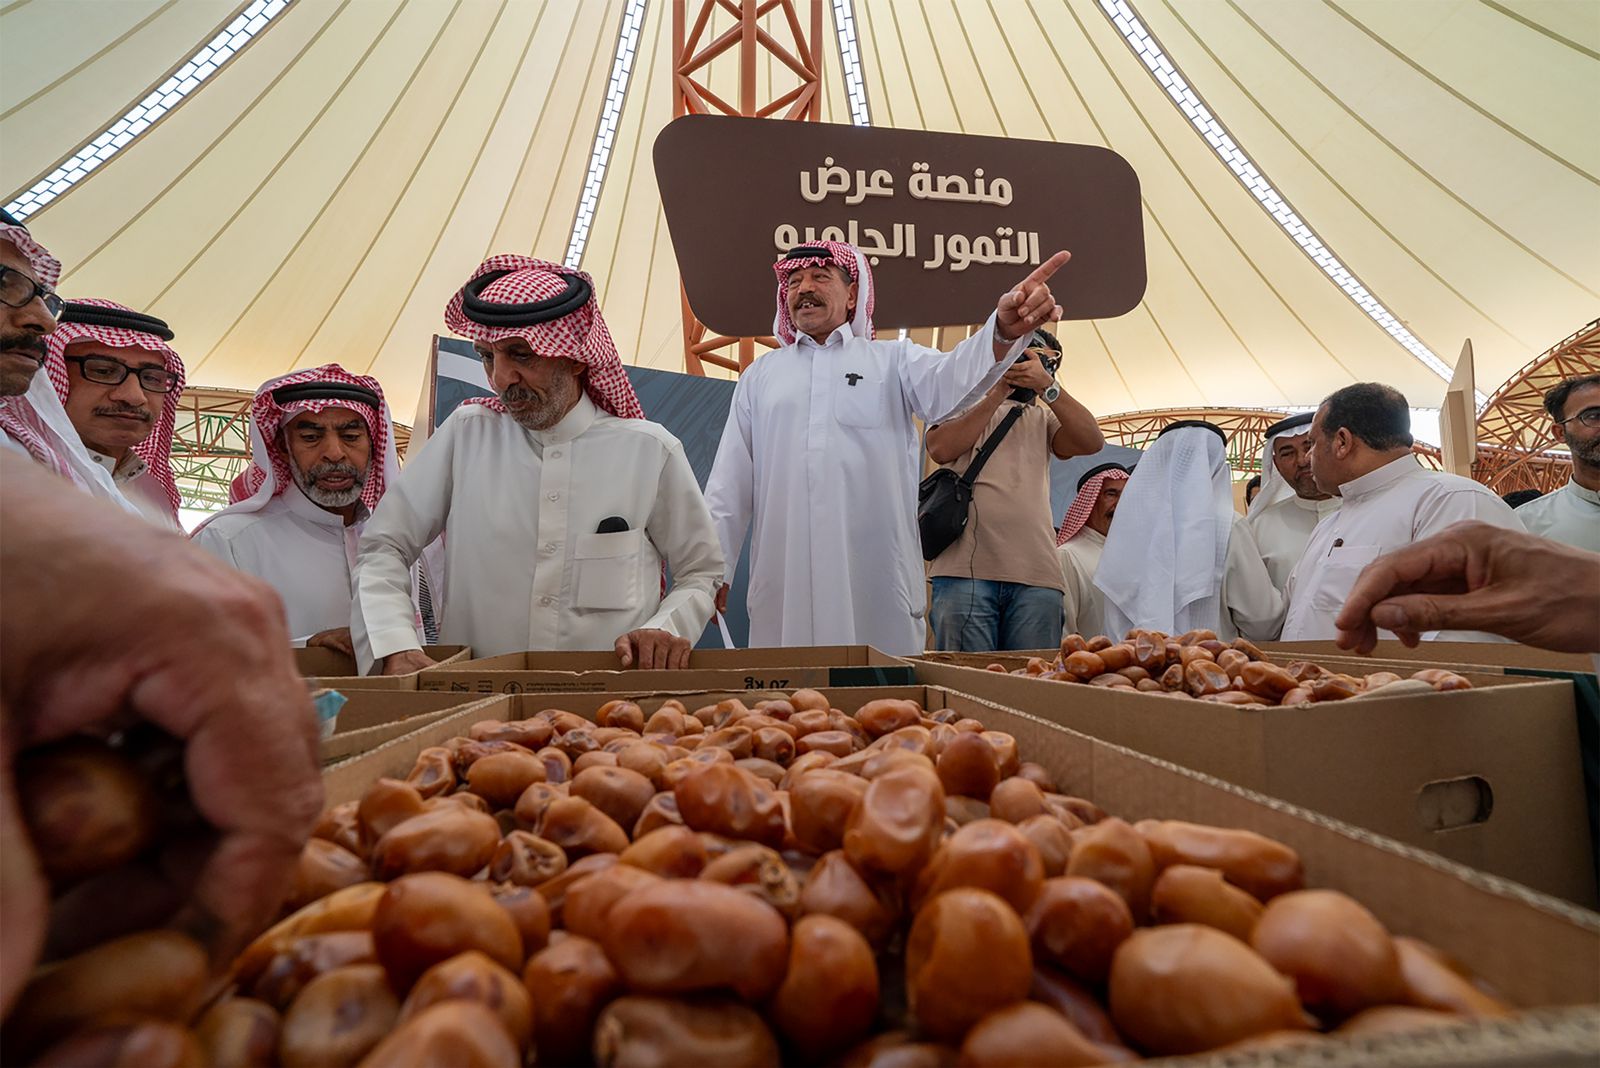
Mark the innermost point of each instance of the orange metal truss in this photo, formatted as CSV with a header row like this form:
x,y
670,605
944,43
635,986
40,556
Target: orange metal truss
x,y
692,54
1516,446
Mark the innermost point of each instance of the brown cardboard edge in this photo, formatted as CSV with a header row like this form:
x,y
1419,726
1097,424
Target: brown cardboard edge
x,y
1537,1038
349,744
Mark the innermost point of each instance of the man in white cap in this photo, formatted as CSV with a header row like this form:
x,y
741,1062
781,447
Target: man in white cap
x,y
1572,513
1179,557
1290,504
1361,450
820,452
120,382
322,456
558,501
1079,543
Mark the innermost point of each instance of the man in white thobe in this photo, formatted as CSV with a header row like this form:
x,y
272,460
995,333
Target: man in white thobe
x,y
820,453
1361,451
120,382
32,419
558,501
323,455
1079,543
1572,513
1179,557
1287,509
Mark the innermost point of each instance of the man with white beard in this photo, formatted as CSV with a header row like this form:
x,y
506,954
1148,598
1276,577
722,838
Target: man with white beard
x,y
557,500
323,453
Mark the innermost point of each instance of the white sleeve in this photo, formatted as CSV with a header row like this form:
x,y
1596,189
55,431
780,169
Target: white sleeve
x,y
1072,596
681,529
1454,506
214,543
731,489
411,514
1250,601
940,385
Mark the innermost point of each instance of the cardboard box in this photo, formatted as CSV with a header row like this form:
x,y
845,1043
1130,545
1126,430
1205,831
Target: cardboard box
x,y
1537,950
1490,777
371,717
1495,655
333,670
709,669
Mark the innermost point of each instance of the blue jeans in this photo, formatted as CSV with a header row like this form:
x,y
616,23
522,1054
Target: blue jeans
x,y
979,616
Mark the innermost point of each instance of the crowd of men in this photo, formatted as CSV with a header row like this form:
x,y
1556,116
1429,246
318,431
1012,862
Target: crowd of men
x,y
552,515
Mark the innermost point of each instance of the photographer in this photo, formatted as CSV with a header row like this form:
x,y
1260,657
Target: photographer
x,y
998,585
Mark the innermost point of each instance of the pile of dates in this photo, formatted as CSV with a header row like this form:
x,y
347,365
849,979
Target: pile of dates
x,y
1198,665
764,884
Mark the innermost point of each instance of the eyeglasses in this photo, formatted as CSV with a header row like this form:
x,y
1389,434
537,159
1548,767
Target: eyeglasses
x,y
1588,417
17,290
109,372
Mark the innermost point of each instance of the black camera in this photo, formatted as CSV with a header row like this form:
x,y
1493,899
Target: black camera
x,y
1047,349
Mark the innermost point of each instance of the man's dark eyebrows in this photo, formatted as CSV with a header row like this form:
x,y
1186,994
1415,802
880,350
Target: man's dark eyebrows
x,y
355,424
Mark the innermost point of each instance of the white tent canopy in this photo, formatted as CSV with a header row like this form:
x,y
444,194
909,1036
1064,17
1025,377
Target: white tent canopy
x,y
320,197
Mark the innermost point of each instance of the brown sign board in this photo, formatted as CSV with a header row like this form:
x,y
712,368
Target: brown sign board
x,y
949,221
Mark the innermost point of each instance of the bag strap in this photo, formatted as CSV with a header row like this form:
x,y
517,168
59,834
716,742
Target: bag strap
x,y
970,476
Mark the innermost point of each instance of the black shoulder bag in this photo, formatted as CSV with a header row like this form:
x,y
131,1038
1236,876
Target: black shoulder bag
x,y
944,497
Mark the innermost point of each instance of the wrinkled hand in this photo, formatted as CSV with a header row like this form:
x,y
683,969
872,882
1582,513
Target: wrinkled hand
x,y
649,649
186,643
337,639
1029,373
1030,305
407,662
1475,576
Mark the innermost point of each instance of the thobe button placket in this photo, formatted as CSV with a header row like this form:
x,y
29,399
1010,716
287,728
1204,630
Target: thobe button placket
x,y
544,624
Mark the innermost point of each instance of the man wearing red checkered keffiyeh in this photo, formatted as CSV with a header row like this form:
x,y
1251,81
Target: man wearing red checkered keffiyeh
x,y
120,382
32,419
820,453
322,456
1079,542
562,501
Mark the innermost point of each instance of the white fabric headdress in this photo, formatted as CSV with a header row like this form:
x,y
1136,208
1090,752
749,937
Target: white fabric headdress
x,y
1164,557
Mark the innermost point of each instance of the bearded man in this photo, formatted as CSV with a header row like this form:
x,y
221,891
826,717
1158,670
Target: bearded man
x,y
32,419
1079,543
1572,513
1290,503
120,382
820,452
322,455
557,500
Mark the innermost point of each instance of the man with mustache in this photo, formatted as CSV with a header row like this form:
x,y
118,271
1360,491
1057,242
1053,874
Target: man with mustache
x,y
1080,541
820,452
322,446
1290,503
1572,513
120,382
557,500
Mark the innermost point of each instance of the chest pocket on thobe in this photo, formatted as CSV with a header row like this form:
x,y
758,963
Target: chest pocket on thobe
x,y
609,570
1339,573
860,395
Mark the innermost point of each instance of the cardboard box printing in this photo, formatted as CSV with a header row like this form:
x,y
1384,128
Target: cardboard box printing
x,y
335,671
1538,951
738,669
1490,777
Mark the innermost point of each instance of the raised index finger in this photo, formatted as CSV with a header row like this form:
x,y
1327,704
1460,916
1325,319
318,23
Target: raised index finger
x,y
1049,267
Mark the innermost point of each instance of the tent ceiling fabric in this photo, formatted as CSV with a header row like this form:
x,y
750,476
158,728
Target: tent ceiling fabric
x,y
320,198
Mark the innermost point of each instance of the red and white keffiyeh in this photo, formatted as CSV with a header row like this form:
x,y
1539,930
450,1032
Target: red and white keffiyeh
x,y
578,335
1083,504
46,268
155,450
270,472
841,255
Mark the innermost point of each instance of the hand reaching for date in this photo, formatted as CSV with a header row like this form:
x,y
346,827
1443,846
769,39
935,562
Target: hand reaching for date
x,y
110,623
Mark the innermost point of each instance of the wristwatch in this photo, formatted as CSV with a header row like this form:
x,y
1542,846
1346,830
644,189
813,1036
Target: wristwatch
x,y
1051,392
